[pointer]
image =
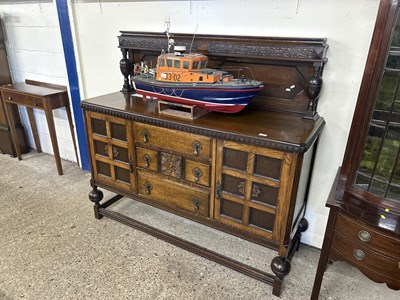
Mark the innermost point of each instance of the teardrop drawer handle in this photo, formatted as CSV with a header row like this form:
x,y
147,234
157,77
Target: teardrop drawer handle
x,y
148,187
196,147
196,203
147,160
359,254
197,174
364,236
146,135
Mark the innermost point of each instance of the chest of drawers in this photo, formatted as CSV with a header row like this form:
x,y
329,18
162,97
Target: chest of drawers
x,y
244,174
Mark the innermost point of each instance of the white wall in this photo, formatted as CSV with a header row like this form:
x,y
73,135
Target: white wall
x,y
348,26
35,52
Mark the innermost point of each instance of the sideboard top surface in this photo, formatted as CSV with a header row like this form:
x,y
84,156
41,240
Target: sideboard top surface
x,y
282,131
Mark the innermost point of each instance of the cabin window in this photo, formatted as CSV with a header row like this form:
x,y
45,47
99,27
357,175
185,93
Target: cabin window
x,y
201,78
186,65
203,64
161,62
169,63
195,64
177,64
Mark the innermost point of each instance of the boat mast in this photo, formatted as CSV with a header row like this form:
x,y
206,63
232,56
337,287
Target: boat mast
x,y
169,40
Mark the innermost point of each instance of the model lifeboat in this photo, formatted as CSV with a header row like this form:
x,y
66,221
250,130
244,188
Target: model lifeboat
x,y
184,78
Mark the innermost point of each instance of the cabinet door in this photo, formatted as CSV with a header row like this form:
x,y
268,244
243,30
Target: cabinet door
x,y
111,147
253,188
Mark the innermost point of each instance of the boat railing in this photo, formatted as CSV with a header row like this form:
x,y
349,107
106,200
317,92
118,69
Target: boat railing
x,y
243,73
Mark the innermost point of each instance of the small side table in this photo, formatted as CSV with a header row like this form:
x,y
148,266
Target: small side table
x,y
43,96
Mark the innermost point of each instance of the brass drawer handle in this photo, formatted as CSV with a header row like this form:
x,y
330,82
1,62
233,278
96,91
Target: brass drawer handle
x,y
146,135
148,187
359,254
197,174
196,203
196,147
364,236
147,160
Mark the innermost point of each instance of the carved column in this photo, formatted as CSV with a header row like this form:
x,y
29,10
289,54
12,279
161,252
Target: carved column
x,y
126,68
314,86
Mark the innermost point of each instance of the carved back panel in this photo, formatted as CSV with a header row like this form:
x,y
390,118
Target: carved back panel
x,y
291,68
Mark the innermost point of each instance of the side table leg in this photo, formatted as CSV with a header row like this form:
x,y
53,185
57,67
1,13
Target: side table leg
x,y
34,129
324,257
53,137
71,127
10,117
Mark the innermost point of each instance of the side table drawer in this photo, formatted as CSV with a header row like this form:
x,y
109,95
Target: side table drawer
x,y
27,100
366,235
362,255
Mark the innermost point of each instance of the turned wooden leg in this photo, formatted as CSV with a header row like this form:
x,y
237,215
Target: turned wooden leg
x,y
96,196
281,267
303,226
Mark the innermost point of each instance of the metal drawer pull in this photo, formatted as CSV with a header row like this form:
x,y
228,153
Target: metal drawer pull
x,y
34,103
9,98
146,135
147,160
197,174
148,187
196,147
364,236
196,203
359,254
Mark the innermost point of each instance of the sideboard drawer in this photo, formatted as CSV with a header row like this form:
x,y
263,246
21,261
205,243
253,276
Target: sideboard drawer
x,y
27,100
147,159
191,144
167,191
361,254
197,172
368,236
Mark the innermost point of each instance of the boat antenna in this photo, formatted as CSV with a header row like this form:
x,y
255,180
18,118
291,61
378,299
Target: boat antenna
x,y
191,45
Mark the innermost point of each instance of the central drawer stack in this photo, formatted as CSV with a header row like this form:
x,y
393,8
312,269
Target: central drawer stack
x,y
174,168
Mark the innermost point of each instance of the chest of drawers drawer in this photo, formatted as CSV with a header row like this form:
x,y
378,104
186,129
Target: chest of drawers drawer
x,y
364,234
186,143
166,191
365,257
27,100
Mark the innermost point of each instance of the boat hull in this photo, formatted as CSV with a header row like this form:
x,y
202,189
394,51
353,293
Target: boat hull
x,y
217,97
